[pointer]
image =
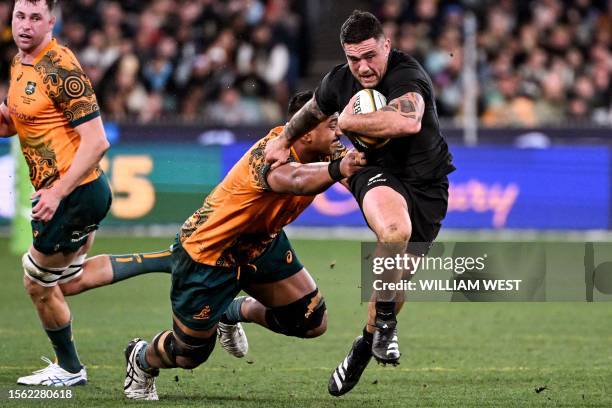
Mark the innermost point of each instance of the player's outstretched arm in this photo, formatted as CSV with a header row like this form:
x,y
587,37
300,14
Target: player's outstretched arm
x,y
7,128
401,117
304,120
313,178
88,155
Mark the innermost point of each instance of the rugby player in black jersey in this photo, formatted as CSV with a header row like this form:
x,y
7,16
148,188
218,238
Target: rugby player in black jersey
x,y
403,190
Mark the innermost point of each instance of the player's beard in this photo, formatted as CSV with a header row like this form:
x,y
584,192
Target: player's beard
x,y
28,45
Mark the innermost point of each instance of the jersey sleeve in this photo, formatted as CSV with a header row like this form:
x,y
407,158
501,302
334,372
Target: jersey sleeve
x,y
325,94
258,168
68,87
404,80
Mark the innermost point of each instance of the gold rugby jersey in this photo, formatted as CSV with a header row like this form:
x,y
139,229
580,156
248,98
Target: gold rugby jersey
x,y
241,216
47,100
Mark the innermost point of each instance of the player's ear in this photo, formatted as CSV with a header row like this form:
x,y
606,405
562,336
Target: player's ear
x,y
52,20
307,138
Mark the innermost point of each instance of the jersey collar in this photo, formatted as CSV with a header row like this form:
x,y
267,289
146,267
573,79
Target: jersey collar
x,y
42,53
295,155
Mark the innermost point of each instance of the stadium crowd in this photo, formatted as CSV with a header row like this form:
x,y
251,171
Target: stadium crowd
x,y
235,62
539,62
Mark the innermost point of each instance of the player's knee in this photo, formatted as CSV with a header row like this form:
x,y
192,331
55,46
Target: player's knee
x,y
303,318
191,351
395,232
37,277
177,349
320,329
31,288
190,356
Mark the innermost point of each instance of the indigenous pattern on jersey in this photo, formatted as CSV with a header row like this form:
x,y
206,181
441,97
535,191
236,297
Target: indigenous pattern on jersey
x,y
46,101
241,216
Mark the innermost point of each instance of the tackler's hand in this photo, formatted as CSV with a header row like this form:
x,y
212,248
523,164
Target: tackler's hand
x,y
352,162
346,114
277,151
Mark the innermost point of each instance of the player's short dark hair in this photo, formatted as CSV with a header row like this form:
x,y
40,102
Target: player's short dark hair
x,y
360,26
297,101
50,3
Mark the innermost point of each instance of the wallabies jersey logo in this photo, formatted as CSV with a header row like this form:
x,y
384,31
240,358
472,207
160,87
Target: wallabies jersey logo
x,y
30,88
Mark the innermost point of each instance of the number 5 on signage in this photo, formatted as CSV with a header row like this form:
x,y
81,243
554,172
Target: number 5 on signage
x,y
133,193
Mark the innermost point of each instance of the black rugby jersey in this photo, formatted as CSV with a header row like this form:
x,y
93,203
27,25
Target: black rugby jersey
x,y
419,157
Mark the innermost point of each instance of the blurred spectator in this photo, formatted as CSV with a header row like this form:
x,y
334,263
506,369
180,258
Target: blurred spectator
x,y
539,61
232,110
175,58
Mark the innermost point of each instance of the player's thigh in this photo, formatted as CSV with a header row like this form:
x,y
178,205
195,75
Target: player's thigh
x,y
277,277
386,212
282,292
200,293
384,202
77,216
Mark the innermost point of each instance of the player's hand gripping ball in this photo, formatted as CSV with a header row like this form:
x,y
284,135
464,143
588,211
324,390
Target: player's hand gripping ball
x,y
367,101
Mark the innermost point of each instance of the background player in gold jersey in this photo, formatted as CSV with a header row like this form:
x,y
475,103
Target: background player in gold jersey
x,y
51,105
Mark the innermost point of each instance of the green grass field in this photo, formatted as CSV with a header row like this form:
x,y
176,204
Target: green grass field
x,y
454,354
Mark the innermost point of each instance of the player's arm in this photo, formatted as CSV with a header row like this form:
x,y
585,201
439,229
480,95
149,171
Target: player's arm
x,y
88,155
304,120
7,127
401,117
92,148
313,178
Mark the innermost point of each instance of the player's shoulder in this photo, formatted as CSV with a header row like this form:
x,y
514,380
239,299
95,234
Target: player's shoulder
x,y
260,145
401,61
339,73
256,161
67,56
57,57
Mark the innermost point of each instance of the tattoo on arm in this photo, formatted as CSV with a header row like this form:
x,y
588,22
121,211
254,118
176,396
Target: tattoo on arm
x,y
304,120
410,105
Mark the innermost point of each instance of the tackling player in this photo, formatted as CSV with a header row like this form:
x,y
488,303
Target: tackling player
x,y
403,191
236,242
52,106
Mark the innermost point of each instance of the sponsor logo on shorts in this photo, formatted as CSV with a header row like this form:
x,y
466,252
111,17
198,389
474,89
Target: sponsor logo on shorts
x,y
78,236
376,179
204,314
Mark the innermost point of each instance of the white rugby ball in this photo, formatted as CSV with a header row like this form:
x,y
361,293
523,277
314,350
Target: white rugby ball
x,y
367,101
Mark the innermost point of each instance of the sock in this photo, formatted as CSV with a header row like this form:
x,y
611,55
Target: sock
x,y
232,314
127,266
141,359
367,336
385,310
64,348
365,345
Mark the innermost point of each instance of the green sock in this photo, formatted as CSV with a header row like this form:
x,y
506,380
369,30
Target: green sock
x,y
127,266
64,347
232,314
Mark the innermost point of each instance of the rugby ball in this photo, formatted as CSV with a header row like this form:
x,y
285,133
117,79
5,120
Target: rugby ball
x,y
367,101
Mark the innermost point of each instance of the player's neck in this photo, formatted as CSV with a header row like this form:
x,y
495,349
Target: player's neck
x,y
304,154
28,57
